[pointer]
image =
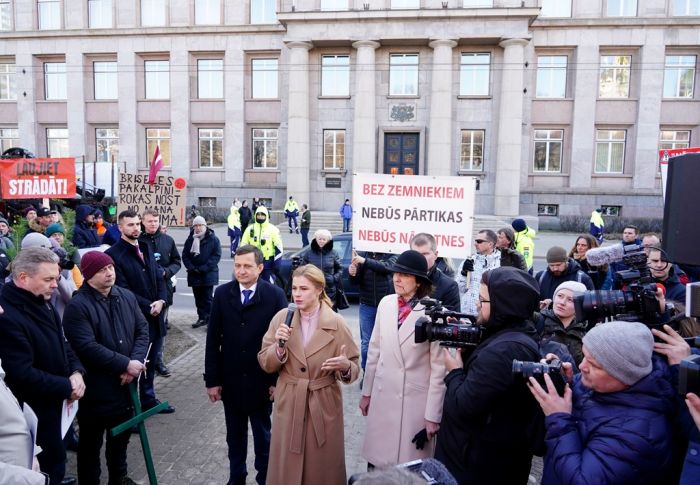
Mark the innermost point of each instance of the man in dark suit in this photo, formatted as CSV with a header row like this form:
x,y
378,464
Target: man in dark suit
x,y
138,271
241,313
41,368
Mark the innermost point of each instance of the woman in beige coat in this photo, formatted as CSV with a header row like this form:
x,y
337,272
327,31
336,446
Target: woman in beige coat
x,y
308,445
403,384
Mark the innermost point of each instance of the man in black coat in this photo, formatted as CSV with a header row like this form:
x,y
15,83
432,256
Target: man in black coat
x,y
41,368
241,314
109,333
84,233
201,255
168,259
489,420
138,271
444,289
560,268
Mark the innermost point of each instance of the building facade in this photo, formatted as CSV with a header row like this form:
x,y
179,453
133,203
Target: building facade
x,y
556,106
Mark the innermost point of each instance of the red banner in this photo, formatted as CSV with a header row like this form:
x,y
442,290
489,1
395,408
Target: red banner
x,y
37,178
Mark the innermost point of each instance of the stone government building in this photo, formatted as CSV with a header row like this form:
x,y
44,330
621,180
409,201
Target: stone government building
x,y
557,106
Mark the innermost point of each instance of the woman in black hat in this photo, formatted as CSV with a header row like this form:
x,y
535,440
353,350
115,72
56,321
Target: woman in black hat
x,y
403,385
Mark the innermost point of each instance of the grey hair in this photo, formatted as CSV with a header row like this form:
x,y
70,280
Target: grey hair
x,y
323,233
28,260
423,238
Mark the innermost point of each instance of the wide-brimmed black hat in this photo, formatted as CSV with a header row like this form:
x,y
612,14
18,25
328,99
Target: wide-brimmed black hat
x,y
412,262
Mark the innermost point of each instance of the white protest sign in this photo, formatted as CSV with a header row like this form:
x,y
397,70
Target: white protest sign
x,y
664,156
167,196
390,209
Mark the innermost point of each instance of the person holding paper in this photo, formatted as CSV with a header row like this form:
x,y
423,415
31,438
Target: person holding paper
x,y
109,333
41,368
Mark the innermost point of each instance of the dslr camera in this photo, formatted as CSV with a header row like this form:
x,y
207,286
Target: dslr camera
x,y
461,332
636,302
538,370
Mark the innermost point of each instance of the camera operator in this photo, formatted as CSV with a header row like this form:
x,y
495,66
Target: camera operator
x,y
613,425
489,421
665,273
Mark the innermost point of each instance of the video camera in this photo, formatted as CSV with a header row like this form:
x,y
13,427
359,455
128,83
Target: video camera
x,y
636,302
538,370
463,333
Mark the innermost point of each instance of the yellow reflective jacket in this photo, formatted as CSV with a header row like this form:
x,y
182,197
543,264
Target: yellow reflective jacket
x,y
264,236
525,245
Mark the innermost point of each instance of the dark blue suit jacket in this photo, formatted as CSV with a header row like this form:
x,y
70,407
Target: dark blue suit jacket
x,y
234,338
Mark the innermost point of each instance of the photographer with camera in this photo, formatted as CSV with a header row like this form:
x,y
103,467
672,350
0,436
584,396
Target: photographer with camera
x,y
613,425
489,423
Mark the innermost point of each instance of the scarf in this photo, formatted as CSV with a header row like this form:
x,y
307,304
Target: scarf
x,y
196,239
405,308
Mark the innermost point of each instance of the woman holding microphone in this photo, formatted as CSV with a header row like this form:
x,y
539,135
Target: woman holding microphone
x,y
312,356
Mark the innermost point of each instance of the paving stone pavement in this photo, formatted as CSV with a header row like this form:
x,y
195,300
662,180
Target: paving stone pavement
x,y
189,446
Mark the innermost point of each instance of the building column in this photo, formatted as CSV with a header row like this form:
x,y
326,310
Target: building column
x,y
440,129
364,132
234,129
180,132
583,130
75,107
298,143
510,119
26,101
132,139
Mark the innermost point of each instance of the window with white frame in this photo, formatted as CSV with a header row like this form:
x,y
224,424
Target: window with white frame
x,y
264,147
679,76
477,3
686,7
334,4
8,88
157,75
405,4
210,78
672,140
158,137
5,15
622,8
107,144
335,75
211,147
9,137
615,76
333,149
474,73
403,75
264,78
472,150
100,14
610,151
551,76
207,12
57,142
548,150
55,80
556,8
105,74
547,209
263,11
49,14
153,13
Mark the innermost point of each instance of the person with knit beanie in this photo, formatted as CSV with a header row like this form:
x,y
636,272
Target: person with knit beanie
x,y
560,268
613,425
523,241
108,332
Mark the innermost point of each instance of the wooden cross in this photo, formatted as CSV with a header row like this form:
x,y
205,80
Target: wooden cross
x,y
138,420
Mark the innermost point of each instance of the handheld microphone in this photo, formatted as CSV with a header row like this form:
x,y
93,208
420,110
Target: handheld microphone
x,y
291,308
610,254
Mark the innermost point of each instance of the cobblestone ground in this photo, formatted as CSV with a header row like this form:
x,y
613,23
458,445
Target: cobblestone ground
x,y
189,446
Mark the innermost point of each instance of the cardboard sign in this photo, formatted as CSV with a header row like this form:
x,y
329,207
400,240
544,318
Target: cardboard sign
x,y
167,196
390,209
38,178
664,155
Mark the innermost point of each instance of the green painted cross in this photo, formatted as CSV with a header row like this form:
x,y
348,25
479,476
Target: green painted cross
x,y
138,420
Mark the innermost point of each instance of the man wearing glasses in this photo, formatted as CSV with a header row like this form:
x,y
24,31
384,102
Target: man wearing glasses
x,y
489,426
484,259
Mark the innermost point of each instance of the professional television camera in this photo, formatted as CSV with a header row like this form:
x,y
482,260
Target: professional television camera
x,y
463,333
635,302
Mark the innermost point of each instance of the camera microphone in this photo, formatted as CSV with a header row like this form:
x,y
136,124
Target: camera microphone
x,y
291,308
610,254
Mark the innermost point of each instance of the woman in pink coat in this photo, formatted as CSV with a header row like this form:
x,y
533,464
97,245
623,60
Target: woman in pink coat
x,y
404,381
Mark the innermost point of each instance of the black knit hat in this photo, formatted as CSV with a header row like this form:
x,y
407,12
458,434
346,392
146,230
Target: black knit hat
x,y
413,263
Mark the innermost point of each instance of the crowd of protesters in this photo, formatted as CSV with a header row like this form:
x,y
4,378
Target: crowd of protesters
x,y
85,314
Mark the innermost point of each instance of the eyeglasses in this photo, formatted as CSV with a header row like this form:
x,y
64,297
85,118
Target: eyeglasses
x,y
480,241
481,300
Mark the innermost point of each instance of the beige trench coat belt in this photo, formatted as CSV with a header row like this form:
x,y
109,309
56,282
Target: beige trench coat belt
x,y
301,388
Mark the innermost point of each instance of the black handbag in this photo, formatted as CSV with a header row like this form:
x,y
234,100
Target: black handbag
x,y
341,301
